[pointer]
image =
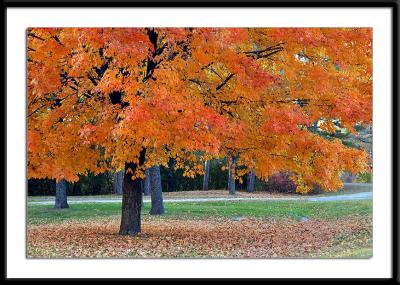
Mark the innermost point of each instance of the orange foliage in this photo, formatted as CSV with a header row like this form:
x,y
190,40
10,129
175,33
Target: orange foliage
x,y
97,96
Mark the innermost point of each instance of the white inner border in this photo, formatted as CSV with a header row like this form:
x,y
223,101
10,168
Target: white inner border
x,y
18,19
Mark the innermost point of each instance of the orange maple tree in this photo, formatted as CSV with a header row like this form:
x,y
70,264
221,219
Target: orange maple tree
x,y
130,98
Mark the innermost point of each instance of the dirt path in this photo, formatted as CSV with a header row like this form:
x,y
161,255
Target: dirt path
x,y
344,197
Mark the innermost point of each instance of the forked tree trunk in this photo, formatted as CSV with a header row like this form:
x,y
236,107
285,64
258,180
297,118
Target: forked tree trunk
x,y
171,176
118,181
206,175
250,181
61,195
157,204
146,183
131,200
231,176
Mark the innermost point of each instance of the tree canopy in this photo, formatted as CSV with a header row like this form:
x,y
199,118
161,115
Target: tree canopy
x,y
97,97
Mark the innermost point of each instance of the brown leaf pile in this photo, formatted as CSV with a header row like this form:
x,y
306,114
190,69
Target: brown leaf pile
x,y
247,238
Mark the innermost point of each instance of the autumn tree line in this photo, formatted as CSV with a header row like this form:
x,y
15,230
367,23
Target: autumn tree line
x,y
171,179
131,99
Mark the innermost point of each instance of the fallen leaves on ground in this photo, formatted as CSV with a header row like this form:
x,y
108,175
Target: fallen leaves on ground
x,y
221,194
228,238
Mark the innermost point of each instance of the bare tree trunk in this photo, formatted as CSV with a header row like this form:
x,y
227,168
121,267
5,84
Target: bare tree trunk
x,y
250,181
131,200
171,175
118,181
61,195
157,204
146,183
206,174
231,177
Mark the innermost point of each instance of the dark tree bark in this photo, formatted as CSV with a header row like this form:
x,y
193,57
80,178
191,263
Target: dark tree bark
x,y
157,204
250,181
171,176
118,181
61,195
146,183
131,200
206,177
132,190
231,179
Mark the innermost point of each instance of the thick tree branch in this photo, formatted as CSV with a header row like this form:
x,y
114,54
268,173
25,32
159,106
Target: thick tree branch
x,y
277,46
265,53
37,109
57,40
224,82
30,34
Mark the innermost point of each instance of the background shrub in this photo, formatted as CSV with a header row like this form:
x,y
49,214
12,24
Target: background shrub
x,y
280,183
364,177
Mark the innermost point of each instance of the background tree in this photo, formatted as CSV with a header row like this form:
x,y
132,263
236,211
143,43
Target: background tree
x,y
118,181
171,179
61,195
231,176
250,181
146,183
157,204
206,177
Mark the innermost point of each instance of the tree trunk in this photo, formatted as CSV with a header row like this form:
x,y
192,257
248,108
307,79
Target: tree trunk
x,y
61,195
250,181
206,174
118,181
146,183
231,179
131,200
171,175
157,204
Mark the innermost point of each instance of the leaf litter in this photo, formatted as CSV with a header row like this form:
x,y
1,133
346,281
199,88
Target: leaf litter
x,y
200,238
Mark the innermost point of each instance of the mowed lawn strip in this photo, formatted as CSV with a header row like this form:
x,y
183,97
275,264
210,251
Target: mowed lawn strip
x,y
42,214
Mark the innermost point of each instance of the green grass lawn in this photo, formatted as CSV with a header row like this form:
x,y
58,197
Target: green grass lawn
x,y
40,214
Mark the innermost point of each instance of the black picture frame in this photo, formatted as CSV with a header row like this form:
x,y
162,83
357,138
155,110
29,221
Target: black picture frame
x,y
226,3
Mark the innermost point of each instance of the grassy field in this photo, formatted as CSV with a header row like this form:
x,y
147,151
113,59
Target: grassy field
x,y
38,214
